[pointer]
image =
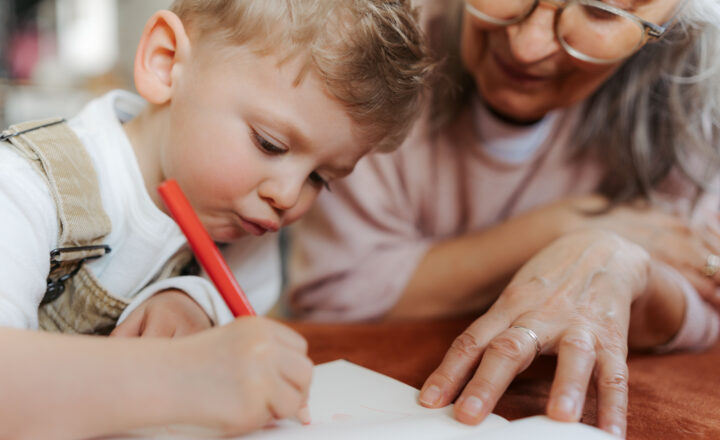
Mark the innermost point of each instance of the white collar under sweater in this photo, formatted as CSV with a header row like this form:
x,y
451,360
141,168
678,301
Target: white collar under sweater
x,y
512,144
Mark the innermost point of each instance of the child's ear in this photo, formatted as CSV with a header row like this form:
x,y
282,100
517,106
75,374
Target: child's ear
x,y
163,47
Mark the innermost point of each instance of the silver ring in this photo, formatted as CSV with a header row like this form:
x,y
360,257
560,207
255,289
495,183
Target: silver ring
x,y
533,336
712,265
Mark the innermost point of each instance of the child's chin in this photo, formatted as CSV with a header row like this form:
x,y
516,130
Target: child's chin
x,y
227,235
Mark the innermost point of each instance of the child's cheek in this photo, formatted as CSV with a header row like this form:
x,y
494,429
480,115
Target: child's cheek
x,y
305,202
231,173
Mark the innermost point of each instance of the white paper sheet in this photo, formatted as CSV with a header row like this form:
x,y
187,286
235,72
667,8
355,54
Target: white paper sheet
x,y
542,428
350,402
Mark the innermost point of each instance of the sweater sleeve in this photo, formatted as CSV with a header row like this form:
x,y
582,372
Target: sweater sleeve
x,y
354,253
28,231
701,322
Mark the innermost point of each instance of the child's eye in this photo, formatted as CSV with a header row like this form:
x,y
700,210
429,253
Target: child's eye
x,y
317,179
265,145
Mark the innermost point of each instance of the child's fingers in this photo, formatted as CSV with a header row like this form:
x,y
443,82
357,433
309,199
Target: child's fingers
x,y
186,330
131,327
186,327
290,338
286,401
304,415
156,327
297,370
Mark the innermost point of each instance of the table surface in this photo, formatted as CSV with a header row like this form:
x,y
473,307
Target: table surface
x,y
674,396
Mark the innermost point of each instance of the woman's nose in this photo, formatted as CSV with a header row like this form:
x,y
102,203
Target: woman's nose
x,y
533,39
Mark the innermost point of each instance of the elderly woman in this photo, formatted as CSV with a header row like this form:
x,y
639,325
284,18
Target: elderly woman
x,y
579,161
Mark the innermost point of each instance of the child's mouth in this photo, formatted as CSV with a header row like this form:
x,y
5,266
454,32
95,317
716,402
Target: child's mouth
x,y
257,227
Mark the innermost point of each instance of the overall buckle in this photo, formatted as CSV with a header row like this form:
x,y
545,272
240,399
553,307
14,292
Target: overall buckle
x,y
79,254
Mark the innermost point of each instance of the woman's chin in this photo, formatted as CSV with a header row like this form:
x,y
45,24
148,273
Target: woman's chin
x,y
513,108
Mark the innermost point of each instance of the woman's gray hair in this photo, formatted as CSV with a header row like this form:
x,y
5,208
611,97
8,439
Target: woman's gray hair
x,y
659,112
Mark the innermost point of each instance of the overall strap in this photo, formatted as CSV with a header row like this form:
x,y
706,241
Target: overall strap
x,y
61,159
85,307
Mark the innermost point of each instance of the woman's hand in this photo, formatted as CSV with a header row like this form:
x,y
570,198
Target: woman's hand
x,y
167,314
572,299
670,238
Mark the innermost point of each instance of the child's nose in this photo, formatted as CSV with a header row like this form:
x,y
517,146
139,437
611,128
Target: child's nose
x,y
533,39
281,194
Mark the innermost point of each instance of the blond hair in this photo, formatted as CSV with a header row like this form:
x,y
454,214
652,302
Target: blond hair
x,y
370,54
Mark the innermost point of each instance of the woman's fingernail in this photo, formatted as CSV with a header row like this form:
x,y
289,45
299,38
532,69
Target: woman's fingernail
x,y
616,431
471,406
564,404
431,396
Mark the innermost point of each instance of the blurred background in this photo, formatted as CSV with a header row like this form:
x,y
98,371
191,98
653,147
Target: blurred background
x,y
55,55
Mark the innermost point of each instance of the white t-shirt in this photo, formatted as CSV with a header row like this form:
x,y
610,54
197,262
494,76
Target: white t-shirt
x,y
142,239
510,143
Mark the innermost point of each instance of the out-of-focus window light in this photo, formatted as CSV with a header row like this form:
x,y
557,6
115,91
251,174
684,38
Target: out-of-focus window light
x,y
87,36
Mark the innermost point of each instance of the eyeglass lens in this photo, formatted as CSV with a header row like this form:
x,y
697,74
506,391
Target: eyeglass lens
x,y
585,29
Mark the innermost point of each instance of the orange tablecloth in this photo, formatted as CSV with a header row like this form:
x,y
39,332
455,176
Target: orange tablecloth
x,y
671,396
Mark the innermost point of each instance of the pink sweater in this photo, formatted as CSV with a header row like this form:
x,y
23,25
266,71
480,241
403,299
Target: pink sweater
x,y
354,253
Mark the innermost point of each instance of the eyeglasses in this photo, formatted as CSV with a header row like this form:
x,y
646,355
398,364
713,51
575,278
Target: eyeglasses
x,y
588,30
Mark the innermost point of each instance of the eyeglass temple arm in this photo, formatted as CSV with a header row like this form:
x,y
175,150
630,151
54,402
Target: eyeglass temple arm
x,y
656,31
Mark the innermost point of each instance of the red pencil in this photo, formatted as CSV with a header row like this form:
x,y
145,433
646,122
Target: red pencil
x,y
205,249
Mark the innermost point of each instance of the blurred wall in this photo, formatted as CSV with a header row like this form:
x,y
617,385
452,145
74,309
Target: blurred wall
x,y
132,15
48,52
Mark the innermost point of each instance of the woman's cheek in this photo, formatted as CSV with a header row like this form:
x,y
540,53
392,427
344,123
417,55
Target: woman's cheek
x,y
471,47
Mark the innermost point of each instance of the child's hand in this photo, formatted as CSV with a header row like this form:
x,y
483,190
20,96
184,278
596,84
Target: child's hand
x,y
169,314
240,377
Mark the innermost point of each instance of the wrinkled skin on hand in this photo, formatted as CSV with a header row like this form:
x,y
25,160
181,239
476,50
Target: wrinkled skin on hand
x,y
672,238
576,296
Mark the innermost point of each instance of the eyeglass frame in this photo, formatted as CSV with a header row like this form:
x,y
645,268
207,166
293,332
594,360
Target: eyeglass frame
x,y
650,30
